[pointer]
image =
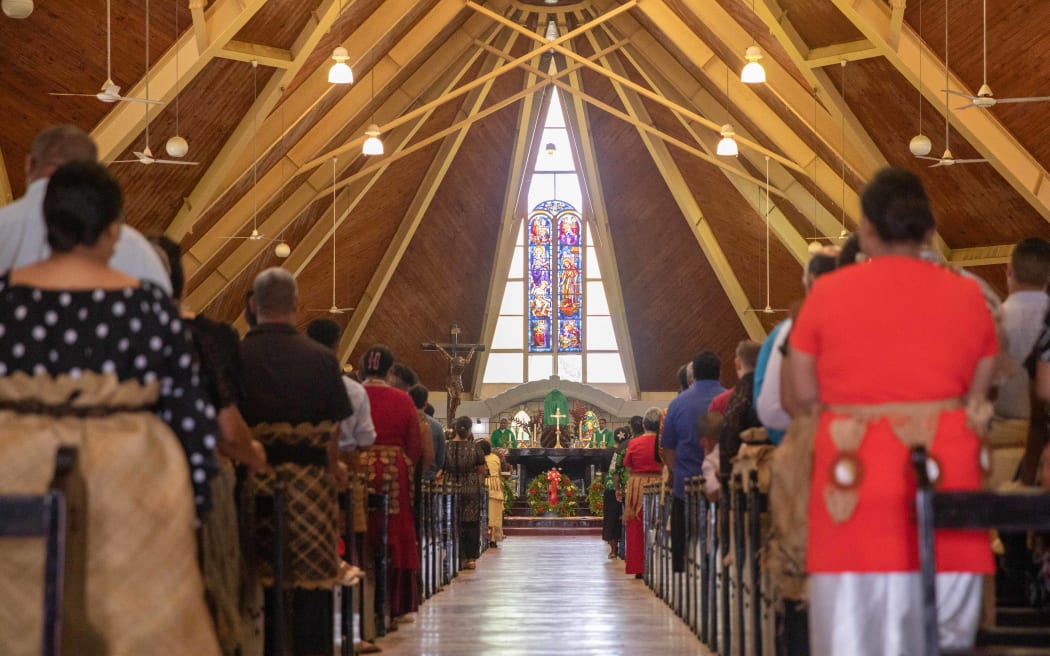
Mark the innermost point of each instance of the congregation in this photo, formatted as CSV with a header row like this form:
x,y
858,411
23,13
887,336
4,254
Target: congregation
x,y
187,433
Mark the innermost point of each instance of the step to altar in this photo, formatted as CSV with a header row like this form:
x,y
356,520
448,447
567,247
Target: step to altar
x,y
584,525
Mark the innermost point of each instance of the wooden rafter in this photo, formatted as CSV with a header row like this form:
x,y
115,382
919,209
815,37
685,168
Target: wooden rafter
x,y
480,80
442,65
236,156
257,52
687,204
530,116
1017,166
220,23
410,222
981,255
339,116
752,193
594,204
655,97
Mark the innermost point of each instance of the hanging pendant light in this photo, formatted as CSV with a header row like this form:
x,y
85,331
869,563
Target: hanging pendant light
x,y
282,250
340,72
727,145
372,145
753,72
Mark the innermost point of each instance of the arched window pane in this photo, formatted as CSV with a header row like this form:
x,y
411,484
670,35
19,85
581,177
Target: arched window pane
x,y
605,368
570,367
509,332
503,368
541,367
600,334
512,304
597,303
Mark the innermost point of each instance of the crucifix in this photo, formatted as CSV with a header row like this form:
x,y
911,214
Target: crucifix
x,y
457,362
558,416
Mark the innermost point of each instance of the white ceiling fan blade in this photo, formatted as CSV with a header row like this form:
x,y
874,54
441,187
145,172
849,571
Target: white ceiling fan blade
x,y
959,93
137,100
78,95
970,161
932,159
1028,99
967,106
125,161
938,164
175,161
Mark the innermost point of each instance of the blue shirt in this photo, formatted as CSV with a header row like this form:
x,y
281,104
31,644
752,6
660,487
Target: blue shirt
x,y
437,433
775,436
680,430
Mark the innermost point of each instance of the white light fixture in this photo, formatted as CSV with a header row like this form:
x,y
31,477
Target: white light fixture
x,y
920,145
17,8
340,72
372,145
177,146
282,250
727,145
815,247
753,72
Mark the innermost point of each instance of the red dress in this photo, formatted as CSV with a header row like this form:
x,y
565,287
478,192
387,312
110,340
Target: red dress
x,y
641,464
895,329
397,425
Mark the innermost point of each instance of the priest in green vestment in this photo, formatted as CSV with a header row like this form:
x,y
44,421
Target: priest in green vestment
x,y
503,437
555,402
604,438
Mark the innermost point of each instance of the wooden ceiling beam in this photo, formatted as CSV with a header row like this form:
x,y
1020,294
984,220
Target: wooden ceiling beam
x,y
778,132
839,52
264,55
366,306
653,130
752,193
338,117
221,22
530,128
598,216
981,255
979,127
480,80
237,156
554,45
442,65
6,195
694,216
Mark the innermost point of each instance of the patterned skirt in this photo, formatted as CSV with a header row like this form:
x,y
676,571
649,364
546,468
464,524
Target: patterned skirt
x,y
139,590
299,459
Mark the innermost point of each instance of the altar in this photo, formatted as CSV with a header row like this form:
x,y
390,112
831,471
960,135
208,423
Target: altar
x,y
576,464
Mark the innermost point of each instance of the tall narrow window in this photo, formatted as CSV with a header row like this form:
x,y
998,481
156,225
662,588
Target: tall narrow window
x,y
555,316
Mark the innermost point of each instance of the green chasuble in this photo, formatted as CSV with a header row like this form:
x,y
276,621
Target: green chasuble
x,y
556,402
604,438
503,438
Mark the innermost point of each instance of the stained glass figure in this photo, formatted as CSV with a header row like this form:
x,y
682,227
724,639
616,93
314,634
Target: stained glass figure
x,y
559,253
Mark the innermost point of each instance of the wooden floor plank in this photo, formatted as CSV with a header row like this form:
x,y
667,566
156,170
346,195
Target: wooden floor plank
x,y
544,595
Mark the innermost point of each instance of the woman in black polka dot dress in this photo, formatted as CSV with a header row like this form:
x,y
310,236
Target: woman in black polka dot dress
x,y
92,358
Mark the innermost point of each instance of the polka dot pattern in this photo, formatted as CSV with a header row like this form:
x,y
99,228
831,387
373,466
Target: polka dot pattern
x,y
133,334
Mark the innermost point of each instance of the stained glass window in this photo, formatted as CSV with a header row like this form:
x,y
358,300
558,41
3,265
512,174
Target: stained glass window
x,y
555,300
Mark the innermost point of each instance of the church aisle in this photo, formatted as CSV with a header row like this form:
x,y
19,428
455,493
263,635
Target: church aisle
x,y
544,595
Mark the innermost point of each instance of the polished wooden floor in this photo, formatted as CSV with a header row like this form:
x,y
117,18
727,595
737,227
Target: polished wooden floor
x,y
544,595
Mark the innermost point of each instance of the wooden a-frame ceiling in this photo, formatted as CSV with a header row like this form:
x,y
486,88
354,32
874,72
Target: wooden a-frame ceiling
x,y
422,233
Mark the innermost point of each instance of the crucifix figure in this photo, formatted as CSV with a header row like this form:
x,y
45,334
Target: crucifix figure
x,y
558,416
457,362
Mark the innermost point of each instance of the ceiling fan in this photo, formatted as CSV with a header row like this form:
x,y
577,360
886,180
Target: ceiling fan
x,y
947,159
335,309
769,309
985,98
145,156
110,92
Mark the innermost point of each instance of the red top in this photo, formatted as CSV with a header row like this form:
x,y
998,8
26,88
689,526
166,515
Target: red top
x,y
395,419
640,457
720,403
895,329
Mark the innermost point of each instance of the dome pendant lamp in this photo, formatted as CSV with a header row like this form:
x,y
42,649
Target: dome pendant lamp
x,y
372,145
340,72
753,72
727,146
